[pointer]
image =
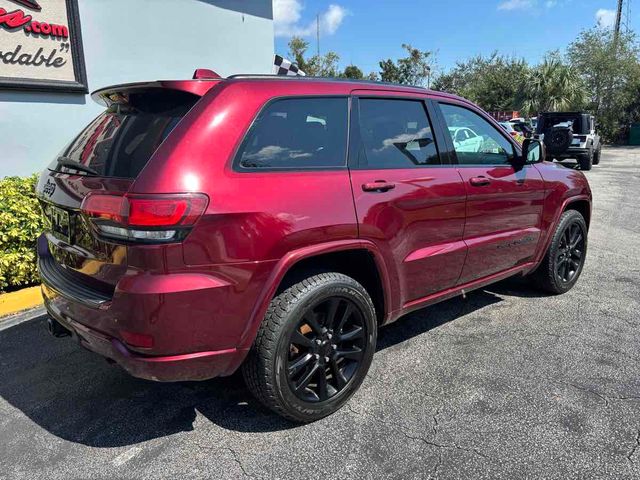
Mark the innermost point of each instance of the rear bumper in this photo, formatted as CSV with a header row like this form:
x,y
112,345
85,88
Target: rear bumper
x,y
572,152
197,319
162,368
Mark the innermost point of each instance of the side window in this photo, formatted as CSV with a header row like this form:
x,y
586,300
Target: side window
x,y
395,134
483,144
298,133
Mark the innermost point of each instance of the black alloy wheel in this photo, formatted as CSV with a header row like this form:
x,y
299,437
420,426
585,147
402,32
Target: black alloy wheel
x,y
570,253
325,349
314,347
564,261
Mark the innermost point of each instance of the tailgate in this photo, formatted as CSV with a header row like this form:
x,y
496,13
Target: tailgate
x,y
105,157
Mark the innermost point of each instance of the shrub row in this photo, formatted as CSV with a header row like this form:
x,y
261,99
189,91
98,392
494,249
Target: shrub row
x,y
20,225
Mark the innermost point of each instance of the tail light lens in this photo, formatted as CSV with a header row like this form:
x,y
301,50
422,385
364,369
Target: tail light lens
x,y
144,218
513,133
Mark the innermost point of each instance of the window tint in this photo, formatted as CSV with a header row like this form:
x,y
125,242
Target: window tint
x,y
121,141
298,133
483,144
395,134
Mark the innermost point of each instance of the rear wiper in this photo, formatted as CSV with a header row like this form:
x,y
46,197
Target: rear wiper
x,y
69,163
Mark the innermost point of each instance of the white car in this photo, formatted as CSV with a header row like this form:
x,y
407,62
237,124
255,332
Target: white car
x,y
465,139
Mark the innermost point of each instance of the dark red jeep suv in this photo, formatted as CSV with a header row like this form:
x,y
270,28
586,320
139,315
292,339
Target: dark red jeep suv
x,y
275,223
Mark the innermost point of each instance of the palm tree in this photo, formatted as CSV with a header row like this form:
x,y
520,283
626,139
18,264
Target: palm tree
x,y
553,86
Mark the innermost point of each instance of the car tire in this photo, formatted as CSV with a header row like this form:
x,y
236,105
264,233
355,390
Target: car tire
x,y
586,161
563,263
313,348
596,156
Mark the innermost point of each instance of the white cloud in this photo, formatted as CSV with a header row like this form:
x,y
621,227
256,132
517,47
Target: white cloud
x,y
516,5
286,12
287,15
530,4
605,18
331,19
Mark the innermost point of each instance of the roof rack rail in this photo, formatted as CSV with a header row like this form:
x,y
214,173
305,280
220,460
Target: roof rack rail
x,y
270,76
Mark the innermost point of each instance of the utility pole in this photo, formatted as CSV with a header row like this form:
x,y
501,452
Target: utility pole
x,y
616,32
318,34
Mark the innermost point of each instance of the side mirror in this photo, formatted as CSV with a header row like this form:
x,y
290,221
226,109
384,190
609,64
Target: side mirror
x,y
532,151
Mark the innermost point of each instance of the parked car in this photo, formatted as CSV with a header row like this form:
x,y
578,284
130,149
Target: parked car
x,y
570,135
465,139
274,224
510,129
522,127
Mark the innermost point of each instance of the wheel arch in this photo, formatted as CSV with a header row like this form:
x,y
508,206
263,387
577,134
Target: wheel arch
x,y
359,259
581,205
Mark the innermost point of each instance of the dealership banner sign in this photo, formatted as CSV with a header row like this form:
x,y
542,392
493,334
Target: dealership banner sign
x,y
41,46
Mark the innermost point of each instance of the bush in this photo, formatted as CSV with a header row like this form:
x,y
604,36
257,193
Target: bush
x,y
20,225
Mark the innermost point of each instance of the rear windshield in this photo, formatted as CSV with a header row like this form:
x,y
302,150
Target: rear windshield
x,y
548,121
120,142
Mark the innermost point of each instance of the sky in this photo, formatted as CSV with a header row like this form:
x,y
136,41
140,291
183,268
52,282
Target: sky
x,y
363,32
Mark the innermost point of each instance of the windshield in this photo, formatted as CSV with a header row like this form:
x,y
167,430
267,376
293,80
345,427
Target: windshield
x,y
120,142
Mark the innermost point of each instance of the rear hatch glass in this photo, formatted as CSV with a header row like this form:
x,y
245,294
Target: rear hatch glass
x,y
120,142
561,119
106,156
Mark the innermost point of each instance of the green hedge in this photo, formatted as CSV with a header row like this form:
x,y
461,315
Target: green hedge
x,y
20,225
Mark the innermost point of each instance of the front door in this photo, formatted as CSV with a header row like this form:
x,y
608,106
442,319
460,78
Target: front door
x,y
504,201
408,202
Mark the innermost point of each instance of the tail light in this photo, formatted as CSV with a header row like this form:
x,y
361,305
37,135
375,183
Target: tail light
x,y
144,218
513,133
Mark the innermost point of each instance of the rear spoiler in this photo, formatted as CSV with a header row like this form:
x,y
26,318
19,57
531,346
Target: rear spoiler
x,y
118,93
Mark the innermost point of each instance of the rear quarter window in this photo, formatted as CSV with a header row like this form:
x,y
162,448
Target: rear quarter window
x,y
297,133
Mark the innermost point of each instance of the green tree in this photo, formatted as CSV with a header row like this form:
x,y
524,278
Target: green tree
x,y
414,69
323,65
373,77
297,49
351,71
318,65
493,82
389,71
611,72
553,86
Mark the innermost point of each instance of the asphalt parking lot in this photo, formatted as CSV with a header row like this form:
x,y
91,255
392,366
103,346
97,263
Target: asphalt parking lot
x,y
507,383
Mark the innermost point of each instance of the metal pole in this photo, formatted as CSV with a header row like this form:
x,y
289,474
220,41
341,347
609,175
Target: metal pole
x,y
318,34
616,32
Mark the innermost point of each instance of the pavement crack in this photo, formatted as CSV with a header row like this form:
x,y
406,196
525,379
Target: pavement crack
x,y
586,389
435,422
432,443
236,458
606,398
234,454
635,447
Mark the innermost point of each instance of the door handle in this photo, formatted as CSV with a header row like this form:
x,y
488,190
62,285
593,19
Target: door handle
x,y
480,181
378,186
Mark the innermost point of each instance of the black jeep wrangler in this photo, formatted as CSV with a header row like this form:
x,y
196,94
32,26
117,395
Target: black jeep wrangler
x,y
570,135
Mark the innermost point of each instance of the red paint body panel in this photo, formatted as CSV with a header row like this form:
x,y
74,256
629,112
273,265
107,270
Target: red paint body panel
x,y
202,299
503,218
425,210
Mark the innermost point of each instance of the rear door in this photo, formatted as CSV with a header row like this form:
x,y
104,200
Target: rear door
x,y
504,202
106,156
409,200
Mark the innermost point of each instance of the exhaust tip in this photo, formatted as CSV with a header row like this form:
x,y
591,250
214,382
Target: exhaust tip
x,y
56,329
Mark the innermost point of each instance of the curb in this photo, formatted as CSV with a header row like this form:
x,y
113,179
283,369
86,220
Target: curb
x,y
18,318
20,300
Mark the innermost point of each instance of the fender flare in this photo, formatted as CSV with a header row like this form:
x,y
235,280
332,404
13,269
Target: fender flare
x,y
289,260
554,224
